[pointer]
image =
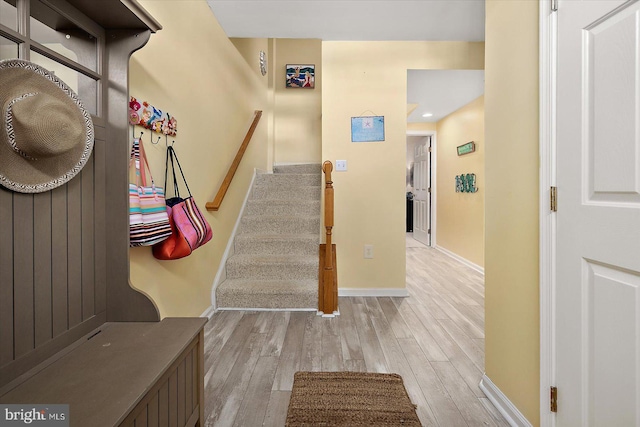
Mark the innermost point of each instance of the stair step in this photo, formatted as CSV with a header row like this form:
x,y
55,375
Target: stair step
x,y
289,179
306,168
282,207
306,192
279,224
272,267
277,244
282,294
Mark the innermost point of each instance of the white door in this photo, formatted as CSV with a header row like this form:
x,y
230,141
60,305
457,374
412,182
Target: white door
x,y
422,192
598,219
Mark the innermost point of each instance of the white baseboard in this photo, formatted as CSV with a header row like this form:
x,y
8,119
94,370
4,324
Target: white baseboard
x,y
457,257
508,410
265,309
373,292
223,262
208,313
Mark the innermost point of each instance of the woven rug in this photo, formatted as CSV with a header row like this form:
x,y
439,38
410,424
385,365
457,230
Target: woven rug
x,y
350,399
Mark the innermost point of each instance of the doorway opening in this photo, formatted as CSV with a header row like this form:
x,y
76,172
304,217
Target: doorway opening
x,y
420,187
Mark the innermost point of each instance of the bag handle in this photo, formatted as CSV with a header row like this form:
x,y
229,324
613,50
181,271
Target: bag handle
x,y
171,155
142,164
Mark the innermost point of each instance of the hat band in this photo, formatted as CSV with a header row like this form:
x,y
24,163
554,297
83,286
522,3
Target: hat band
x,y
9,121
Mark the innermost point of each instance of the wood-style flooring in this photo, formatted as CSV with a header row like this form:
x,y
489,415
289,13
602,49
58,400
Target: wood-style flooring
x,y
434,339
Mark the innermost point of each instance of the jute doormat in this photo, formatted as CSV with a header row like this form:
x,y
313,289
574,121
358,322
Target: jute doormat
x,y
350,399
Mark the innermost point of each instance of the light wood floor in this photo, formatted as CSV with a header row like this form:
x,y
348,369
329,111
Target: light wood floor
x,y
434,339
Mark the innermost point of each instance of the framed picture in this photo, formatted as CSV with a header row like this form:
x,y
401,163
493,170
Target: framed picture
x,y
301,76
467,148
367,129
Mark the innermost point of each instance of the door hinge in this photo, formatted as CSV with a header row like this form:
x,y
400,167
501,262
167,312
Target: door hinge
x,y
554,400
429,149
429,231
553,193
554,5
429,189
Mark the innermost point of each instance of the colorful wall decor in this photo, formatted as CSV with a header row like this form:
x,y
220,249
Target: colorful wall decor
x,y
367,129
149,117
466,183
301,76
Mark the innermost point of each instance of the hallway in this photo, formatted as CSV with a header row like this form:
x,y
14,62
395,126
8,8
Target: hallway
x,y
434,339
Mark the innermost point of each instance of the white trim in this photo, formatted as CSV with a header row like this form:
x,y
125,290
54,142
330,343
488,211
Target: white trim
x,y
334,314
508,410
264,309
548,55
464,261
373,292
209,312
227,251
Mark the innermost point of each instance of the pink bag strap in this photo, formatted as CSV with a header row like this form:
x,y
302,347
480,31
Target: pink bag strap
x,y
142,165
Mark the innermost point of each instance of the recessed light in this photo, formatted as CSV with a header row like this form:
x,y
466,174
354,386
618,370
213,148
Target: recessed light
x,y
427,115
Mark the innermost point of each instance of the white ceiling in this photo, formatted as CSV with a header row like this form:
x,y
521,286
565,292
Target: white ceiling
x,y
441,92
459,20
438,91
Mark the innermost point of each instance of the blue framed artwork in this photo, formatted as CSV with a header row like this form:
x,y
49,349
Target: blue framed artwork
x,y
367,129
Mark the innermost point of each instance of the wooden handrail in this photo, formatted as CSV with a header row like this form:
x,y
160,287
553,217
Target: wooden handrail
x,y
217,201
328,283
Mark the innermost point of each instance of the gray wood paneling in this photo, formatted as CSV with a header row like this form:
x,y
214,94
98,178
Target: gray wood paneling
x,y
173,399
152,411
163,405
6,277
88,240
182,395
42,268
100,249
74,250
23,273
59,258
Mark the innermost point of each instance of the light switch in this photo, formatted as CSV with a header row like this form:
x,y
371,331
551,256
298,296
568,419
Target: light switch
x,y
341,165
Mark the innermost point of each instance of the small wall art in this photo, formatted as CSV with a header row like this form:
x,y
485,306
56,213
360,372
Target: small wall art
x,y
466,183
301,76
367,129
467,148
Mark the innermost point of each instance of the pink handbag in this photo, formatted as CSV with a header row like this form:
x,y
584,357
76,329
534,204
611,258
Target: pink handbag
x,y
190,229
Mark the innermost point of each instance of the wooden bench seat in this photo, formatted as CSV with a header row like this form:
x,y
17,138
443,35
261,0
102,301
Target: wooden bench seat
x,y
126,374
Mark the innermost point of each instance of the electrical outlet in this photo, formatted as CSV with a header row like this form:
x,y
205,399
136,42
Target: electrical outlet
x,y
341,165
368,251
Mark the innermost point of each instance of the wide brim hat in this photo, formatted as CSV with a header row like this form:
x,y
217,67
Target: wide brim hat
x,y
46,134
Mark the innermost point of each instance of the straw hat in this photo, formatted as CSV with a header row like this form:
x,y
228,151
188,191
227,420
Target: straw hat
x,y
46,135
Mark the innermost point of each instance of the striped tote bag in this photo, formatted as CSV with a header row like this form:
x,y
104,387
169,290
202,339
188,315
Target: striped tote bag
x,y
148,218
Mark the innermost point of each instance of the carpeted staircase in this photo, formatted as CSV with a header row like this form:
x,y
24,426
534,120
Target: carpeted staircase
x,y
275,255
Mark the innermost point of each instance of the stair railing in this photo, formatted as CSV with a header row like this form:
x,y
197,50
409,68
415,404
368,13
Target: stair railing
x,y
217,201
328,277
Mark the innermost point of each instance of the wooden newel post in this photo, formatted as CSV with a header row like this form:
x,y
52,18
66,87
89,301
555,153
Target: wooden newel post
x,y
329,302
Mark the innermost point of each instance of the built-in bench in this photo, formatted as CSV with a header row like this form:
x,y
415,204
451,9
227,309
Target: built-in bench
x,y
125,374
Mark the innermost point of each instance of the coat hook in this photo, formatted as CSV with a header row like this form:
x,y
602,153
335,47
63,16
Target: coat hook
x,y
154,143
141,133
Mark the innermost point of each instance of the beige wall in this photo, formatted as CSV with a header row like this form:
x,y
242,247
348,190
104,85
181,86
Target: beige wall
x,y
511,160
371,77
212,92
460,216
298,112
